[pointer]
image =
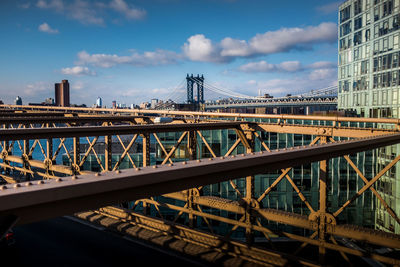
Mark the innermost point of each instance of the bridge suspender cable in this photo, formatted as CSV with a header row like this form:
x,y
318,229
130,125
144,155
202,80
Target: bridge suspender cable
x,y
328,91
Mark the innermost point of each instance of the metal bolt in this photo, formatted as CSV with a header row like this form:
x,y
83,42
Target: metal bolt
x,y
17,185
76,177
198,160
28,184
184,163
210,159
117,171
3,187
222,157
58,180
232,156
96,174
155,167
170,164
40,182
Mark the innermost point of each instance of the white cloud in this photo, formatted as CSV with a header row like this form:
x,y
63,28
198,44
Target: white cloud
x,y
286,66
322,74
130,13
78,71
263,66
290,66
85,13
91,12
286,39
46,28
322,64
200,48
158,57
57,5
234,48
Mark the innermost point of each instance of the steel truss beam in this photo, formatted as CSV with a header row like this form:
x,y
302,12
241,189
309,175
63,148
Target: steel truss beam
x,y
191,114
38,133
32,202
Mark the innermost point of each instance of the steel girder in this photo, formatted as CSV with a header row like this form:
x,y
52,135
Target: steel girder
x,y
33,201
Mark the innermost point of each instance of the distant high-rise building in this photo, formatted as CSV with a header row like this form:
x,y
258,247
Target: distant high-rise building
x,y
49,101
154,103
99,102
114,104
62,93
18,101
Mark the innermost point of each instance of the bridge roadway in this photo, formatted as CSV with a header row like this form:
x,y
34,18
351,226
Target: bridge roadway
x,y
65,242
270,103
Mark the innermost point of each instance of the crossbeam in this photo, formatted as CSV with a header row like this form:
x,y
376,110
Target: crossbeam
x,y
60,119
43,133
51,198
207,114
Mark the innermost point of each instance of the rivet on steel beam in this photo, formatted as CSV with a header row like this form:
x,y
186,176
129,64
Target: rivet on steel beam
x,y
198,160
222,157
74,177
243,155
58,180
137,169
96,174
40,182
17,185
28,184
261,152
232,156
3,187
170,164
251,153
210,159
184,163
117,171
155,167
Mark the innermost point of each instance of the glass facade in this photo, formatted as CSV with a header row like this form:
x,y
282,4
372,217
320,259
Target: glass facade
x,y
368,59
369,82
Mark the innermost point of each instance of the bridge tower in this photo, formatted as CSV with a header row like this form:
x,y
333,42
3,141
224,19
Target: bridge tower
x,y
199,81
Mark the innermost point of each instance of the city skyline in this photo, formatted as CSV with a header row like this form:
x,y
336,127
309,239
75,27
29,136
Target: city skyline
x,y
132,51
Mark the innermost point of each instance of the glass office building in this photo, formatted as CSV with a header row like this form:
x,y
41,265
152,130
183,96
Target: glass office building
x,y
369,81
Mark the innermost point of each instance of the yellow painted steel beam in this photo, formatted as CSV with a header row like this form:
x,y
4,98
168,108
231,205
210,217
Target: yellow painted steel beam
x,y
323,130
194,114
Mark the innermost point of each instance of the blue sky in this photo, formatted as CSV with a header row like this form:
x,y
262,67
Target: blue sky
x,y
132,51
